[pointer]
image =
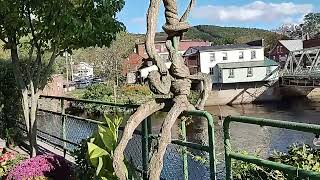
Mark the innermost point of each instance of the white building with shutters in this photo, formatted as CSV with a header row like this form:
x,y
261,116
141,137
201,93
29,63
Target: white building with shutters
x,y
240,73
236,63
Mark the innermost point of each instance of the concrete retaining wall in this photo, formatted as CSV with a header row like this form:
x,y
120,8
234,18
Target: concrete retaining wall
x,y
259,93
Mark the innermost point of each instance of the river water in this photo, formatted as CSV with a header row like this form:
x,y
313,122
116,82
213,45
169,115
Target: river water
x,y
251,138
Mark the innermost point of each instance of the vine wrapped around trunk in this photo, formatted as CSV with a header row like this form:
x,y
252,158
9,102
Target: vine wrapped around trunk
x,y
174,83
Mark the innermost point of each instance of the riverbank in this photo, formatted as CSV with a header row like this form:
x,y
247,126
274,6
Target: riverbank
x,y
259,94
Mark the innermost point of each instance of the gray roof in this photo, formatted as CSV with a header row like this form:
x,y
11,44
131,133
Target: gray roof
x,y
225,47
247,64
292,45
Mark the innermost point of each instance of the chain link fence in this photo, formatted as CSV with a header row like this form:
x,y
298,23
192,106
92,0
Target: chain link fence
x,y
63,124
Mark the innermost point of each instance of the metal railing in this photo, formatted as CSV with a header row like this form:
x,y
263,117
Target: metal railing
x,y
146,135
291,170
210,148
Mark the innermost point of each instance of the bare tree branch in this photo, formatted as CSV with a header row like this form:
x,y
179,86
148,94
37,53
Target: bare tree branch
x,y
152,19
187,12
16,64
34,39
47,70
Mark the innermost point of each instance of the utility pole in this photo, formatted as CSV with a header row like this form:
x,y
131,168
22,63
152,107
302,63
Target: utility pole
x,y
67,69
71,67
116,85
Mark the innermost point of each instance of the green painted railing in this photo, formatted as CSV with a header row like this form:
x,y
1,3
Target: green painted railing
x,y
146,133
147,137
230,154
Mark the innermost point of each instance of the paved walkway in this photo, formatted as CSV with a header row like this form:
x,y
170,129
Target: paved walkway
x,y
43,148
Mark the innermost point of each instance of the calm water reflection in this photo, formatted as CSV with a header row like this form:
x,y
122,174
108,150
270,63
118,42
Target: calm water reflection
x,y
253,138
267,139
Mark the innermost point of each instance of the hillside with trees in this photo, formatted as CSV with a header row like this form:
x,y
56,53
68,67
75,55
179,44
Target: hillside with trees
x,y
228,35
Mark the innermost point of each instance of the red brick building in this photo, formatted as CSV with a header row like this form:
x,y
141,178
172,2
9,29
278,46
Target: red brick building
x,y
132,63
55,86
311,43
139,58
162,50
281,51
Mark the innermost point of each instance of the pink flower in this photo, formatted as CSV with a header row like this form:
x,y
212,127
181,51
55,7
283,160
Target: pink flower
x,y
52,166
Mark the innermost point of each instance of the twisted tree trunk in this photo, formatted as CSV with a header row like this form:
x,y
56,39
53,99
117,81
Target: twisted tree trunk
x,y
171,86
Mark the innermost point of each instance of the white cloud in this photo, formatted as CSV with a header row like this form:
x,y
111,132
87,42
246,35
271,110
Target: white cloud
x,y
257,11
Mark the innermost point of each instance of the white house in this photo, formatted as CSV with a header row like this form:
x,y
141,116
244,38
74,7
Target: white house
x,y
234,63
83,70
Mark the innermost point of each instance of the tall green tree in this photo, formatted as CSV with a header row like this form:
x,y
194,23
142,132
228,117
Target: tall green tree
x,y
46,29
311,25
310,28
108,61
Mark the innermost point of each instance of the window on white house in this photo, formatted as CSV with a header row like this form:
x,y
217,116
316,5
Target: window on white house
x,y
225,56
274,57
250,73
280,49
253,55
212,57
231,73
277,49
241,55
211,71
268,71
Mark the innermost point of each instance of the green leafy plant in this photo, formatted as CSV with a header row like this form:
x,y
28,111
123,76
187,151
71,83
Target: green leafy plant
x,y
194,97
128,94
8,160
302,156
85,170
101,148
248,171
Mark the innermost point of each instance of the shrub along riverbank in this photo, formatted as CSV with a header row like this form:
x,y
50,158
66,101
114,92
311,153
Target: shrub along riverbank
x,y
302,156
126,94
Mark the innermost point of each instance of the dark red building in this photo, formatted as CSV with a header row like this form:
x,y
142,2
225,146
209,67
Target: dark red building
x,y
311,43
162,50
281,51
132,63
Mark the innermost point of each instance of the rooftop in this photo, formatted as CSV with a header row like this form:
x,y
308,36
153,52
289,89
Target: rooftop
x,y
292,45
225,47
247,64
164,41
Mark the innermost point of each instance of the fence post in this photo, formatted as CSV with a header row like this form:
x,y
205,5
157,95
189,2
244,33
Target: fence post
x,y
149,133
63,120
145,149
227,148
212,152
184,149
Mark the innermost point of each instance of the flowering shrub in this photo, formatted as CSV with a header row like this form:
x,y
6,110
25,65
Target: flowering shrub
x,y
42,167
8,160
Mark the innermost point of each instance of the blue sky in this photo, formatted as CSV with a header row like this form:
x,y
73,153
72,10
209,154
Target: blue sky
x,y
265,14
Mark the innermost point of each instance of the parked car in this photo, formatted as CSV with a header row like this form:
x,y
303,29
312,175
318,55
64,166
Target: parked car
x,y
82,83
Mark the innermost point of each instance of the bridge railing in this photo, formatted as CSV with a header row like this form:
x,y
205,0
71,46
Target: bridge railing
x,y
291,170
66,131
